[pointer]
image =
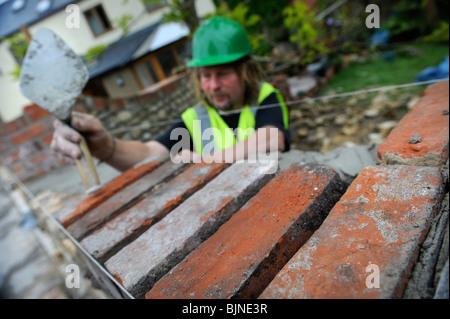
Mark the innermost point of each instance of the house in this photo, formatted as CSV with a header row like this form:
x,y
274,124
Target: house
x,y
131,61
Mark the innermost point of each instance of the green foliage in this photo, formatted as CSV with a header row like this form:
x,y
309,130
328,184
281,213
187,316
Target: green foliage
x,y
18,47
179,11
123,22
439,35
408,20
270,23
94,52
303,29
373,71
250,22
16,72
270,11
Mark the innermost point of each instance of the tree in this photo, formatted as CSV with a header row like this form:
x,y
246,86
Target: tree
x,y
180,10
304,31
248,21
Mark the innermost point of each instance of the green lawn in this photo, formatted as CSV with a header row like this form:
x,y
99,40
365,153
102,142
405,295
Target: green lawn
x,y
409,60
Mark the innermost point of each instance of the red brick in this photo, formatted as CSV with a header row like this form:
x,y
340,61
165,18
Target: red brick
x,y
18,170
27,134
62,162
244,255
47,140
22,122
113,105
122,200
427,119
140,264
35,112
21,153
120,103
42,158
8,128
99,103
47,124
130,224
4,146
381,220
115,185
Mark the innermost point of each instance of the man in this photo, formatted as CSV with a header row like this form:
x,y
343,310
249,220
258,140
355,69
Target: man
x,y
224,126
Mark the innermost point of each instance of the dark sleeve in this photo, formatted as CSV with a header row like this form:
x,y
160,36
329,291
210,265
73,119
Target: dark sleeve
x,y
168,143
272,115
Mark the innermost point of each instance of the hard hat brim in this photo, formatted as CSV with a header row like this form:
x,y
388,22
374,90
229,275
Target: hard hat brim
x,y
216,60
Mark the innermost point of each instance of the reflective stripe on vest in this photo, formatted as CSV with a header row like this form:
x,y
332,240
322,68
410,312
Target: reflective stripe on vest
x,y
200,118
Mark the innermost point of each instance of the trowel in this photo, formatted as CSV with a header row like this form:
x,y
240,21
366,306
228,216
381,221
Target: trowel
x,y
53,77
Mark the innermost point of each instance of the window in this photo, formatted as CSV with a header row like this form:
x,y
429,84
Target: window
x,y
98,20
146,74
152,5
158,65
184,51
167,61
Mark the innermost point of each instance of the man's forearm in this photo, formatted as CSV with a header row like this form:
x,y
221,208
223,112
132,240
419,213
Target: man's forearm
x,y
126,154
264,140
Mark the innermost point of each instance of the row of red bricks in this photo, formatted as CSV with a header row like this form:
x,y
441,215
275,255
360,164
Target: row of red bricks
x,y
169,230
192,239
369,243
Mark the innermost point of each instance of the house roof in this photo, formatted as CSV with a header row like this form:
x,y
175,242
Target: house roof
x,y
165,34
17,13
121,52
136,45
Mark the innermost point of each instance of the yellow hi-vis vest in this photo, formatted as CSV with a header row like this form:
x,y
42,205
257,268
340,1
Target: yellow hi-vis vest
x,y
202,117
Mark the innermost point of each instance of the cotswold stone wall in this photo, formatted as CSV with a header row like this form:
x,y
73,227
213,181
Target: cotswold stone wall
x,y
243,231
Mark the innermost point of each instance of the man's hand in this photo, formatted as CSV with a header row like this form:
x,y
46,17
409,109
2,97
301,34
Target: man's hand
x,y
121,155
66,139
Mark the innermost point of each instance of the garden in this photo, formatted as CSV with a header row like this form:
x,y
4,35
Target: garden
x,y
367,67
362,64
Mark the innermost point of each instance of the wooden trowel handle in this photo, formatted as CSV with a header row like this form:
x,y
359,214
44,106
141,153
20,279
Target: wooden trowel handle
x,y
87,168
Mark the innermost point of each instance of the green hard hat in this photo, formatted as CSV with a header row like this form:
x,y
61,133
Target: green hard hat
x,y
217,41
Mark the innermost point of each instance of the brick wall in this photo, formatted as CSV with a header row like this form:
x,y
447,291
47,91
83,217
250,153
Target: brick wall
x,y
25,142
166,230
